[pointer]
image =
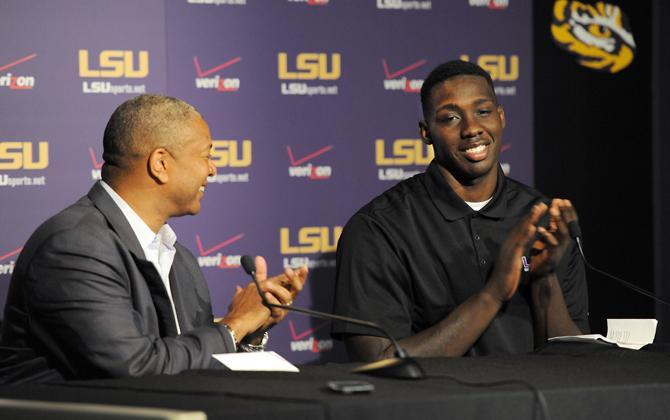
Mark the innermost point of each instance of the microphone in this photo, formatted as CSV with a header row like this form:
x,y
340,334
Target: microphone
x,y
402,366
576,233
575,230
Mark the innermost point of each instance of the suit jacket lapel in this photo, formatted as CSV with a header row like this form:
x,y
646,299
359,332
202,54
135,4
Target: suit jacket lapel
x,y
181,297
167,325
120,225
116,219
189,292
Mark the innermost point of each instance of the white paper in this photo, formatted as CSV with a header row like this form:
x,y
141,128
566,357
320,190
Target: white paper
x,y
266,361
628,333
632,333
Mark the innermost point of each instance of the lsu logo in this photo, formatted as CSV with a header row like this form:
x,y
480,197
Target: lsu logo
x,y
115,64
403,152
598,35
310,66
501,68
228,153
20,155
311,240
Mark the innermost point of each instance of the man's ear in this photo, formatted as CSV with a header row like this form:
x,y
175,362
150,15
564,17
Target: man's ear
x,y
501,113
158,164
424,132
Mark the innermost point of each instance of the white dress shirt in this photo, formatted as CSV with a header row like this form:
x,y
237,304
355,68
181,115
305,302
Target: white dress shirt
x,y
158,247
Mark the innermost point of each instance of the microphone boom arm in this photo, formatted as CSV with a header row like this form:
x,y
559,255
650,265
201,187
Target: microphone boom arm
x,y
402,366
323,315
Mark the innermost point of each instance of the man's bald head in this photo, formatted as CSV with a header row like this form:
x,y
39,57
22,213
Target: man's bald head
x,y
140,125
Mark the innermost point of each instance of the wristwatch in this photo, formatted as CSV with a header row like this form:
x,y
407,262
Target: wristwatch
x,y
232,334
247,347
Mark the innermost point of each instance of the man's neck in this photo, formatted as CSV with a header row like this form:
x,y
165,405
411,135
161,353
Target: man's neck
x,y
472,190
141,201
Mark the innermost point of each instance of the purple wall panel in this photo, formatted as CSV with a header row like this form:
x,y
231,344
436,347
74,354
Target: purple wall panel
x,y
44,39
225,60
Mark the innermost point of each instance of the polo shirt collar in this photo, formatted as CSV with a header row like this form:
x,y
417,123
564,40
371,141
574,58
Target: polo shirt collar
x,y
452,206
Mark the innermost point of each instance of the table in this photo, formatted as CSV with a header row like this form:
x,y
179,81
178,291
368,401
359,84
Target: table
x,y
578,380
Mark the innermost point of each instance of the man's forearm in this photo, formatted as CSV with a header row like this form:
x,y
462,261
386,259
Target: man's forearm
x,y
452,336
551,317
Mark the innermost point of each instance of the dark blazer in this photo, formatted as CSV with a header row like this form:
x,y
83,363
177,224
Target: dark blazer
x,y
84,302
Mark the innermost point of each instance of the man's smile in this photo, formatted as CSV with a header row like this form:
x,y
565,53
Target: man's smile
x,y
476,152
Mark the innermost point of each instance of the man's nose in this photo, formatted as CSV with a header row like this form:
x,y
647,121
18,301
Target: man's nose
x,y
471,127
212,168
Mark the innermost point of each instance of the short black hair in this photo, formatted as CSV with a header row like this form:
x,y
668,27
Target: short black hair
x,y
446,71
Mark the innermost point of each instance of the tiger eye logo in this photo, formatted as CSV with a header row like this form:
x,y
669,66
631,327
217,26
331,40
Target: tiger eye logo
x,y
597,34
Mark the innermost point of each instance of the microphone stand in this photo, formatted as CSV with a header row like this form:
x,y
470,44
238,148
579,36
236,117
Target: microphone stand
x,y
576,234
402,366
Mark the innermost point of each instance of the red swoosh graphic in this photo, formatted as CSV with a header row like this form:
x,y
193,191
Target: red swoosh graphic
x,y
202,73
227,242
308,157
16,251
505,147
298,336
402,70
493,6
96,165
19,61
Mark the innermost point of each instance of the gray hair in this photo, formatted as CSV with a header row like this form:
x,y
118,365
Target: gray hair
x,y
140,125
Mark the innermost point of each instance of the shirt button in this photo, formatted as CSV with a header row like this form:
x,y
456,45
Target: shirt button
x,y
477,237
483,261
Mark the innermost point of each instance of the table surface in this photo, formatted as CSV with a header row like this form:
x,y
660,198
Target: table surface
x,y
578,381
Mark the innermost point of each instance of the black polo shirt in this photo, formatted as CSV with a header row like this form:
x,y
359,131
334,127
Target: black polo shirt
x,y
417,251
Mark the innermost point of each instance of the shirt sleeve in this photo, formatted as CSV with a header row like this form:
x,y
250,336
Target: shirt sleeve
x,y
372,283
572,274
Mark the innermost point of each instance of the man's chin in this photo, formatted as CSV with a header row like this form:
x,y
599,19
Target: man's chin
x,y
470,169
189,212
482,172
472,174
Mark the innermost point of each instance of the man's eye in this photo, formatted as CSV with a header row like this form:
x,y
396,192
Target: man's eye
x,y
447,118
484,112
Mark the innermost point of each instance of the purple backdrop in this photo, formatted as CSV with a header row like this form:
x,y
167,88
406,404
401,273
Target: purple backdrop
x,y
312,105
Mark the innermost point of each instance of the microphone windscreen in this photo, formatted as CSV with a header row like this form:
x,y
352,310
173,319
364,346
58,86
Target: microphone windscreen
x,y
248,264
574,229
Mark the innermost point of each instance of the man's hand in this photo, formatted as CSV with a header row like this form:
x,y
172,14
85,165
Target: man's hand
x,y
504,280
247,314
281,289
554,240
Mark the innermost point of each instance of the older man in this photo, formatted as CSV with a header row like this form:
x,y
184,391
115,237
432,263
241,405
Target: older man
x,y
103,289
